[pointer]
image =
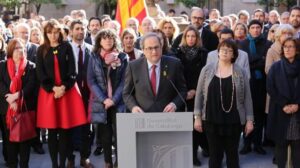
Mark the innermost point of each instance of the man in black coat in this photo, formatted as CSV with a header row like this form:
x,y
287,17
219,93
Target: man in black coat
x,y
82,53
256,46
93,27
209,39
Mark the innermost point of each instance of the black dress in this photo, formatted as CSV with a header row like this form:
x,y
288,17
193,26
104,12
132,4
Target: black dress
x,y
217,120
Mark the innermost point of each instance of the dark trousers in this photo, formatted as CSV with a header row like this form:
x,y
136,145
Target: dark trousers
x,y
85,136
59,143
281,153
258,93
218,144
199,139
4,137
108,130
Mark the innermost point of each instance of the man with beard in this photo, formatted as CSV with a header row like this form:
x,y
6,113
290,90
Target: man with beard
x,y
93,27
82,52
209,39
294,19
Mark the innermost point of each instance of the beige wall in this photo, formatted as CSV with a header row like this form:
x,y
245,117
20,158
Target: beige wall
x,y
50,11
234,6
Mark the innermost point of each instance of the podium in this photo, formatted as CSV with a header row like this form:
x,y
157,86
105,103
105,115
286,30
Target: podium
x,y
155,140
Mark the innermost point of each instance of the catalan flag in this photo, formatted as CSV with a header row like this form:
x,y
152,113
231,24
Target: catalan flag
x,y
130,8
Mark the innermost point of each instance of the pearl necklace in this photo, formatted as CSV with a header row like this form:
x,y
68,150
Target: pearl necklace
x,y
232,94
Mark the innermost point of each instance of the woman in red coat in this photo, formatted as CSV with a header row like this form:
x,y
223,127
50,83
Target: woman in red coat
x,y
60,106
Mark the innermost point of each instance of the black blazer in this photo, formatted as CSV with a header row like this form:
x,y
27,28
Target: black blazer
x,y
29,86
31,51
278,89
137,81
45,66
209,39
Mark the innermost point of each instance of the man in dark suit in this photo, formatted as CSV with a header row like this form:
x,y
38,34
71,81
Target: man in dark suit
x,y
82,52
23,32
209,39
151,81
93,27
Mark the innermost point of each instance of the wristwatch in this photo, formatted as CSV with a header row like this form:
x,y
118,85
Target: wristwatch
x,y
196,116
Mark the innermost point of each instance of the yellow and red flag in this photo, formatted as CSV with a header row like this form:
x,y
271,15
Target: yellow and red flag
x,y
130,8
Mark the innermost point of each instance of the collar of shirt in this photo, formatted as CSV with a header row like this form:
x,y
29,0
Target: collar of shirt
x,y
200,31
150,65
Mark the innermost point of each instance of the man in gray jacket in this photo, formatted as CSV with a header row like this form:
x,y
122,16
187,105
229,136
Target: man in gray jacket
x,y
242,59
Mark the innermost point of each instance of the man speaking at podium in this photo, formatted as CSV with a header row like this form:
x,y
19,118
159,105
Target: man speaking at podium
x,y
154,83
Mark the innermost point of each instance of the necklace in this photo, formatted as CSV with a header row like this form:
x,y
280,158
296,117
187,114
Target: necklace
x,y
232,94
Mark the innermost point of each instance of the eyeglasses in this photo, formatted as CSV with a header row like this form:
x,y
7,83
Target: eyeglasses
x,y
150,49
197,18
289,47
226,51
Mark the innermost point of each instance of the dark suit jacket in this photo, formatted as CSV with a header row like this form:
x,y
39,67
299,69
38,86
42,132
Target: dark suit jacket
x,y
31,51
29,86
137,90
209,39
82,76
45,66
88,40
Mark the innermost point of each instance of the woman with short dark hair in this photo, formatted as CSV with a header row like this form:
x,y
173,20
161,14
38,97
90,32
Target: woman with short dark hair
x,y
222,105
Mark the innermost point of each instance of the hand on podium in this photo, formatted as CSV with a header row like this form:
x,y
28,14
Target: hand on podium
x,y
137,109
171,107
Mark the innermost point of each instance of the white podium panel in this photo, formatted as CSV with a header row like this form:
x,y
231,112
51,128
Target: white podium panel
x,y
155,140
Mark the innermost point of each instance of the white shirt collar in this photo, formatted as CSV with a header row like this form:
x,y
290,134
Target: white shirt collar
x,y
150,64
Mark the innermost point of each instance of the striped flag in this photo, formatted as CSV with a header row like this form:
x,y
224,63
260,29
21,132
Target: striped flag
x,y
130,8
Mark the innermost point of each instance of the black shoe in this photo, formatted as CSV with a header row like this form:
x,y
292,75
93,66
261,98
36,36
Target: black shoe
x,y
205,153
71,162
245,150
98,151
38,149
196,162
260,150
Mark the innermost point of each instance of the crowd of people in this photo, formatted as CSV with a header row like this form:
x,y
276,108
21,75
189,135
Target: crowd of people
x,y
238,73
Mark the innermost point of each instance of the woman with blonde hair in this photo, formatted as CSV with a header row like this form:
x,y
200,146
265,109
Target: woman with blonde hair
x,y
271,33
169,27
128,39
240,31
36,36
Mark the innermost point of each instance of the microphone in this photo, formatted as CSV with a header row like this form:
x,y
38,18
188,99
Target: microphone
x,y
177,91
127,98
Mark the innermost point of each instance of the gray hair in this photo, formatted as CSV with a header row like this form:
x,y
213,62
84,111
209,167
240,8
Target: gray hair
x,y
24,25
283,28
148,35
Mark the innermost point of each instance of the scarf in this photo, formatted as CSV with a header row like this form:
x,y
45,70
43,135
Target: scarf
x,y
292,71
15,84
252,46
190,52
111,58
